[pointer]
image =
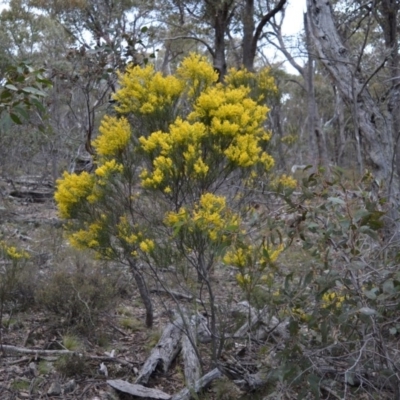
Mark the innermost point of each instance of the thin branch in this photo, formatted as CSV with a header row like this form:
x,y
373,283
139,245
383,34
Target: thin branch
x,y
264,20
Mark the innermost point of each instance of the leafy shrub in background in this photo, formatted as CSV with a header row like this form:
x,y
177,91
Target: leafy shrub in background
x,y
78,296
341,300
22,89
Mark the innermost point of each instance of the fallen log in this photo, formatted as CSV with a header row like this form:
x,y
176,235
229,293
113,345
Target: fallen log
x,y
138,390
265,324
241,376
32,195
203,333
191,364
14,351
244,308
164,352
201,384
184,394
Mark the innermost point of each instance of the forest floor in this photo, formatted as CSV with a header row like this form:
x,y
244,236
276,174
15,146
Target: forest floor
x,y
69,323
29,323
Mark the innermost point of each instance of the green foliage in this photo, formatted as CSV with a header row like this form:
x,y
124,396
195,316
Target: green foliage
x,y
340,301
44,367
23,89
71,343
131,323
78,296
72,365
225,389
20,385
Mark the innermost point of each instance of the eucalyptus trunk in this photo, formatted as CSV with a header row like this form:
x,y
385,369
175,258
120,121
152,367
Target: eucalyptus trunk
x,y
251,33
221,13
374,127
314,123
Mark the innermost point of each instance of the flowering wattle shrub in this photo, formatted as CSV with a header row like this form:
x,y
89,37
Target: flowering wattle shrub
x,y
174,168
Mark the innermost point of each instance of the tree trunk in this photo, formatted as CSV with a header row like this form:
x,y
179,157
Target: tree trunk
x,y
386,14
314,124
275,116
375,128
144,292
251,37
248,30
221,21
340,146
318,153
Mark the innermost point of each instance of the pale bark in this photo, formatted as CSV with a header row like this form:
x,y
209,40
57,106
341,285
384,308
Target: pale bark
x,y
14,351
339,114
318,152
374,128
202,383
191,363
386,14
164,352
138,390
314,123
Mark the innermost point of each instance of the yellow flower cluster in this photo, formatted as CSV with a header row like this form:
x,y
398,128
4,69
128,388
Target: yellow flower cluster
x,y
129,235
330,298
87,238
197,73
261,84
265,81
270,255
145,92
284,182
109,168
243,279
163,169
71,190
115,135
245,152
175,218
146,245
210,217
238,257
289,139
300,314
235,124
225,128
183,139
254,260
245,256
12,253
240,77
